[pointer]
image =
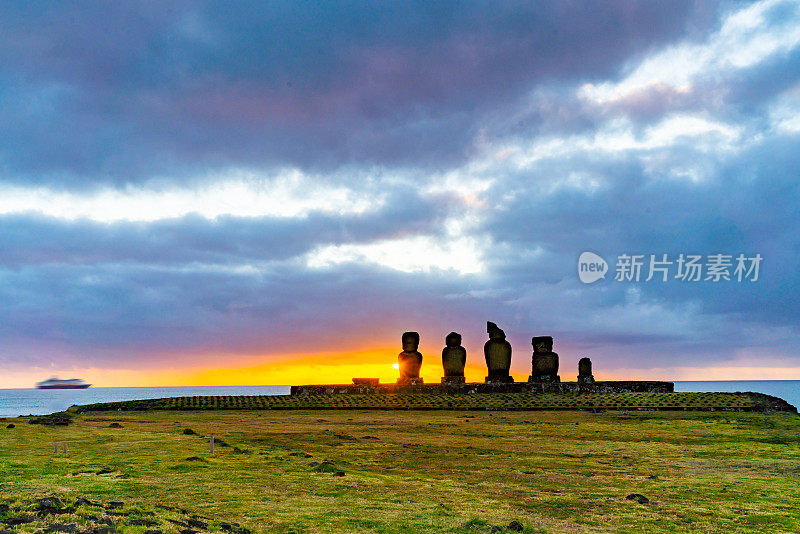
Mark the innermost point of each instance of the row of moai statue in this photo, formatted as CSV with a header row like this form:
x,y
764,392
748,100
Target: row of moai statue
x,y
497,351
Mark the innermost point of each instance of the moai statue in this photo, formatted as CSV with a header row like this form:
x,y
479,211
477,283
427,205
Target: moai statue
x,y
544,363
498,355
585,371
410,360
454,357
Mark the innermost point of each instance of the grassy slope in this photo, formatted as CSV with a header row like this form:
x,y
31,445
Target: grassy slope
x,y
443,401
432,471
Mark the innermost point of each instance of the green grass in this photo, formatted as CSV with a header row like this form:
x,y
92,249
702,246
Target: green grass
x,y
434,401
422,471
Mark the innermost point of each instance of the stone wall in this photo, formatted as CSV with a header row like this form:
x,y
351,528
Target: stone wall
x,y
623,386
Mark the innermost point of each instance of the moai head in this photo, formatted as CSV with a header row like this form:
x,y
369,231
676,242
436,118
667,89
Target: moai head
x,y
585,367
542,344
494,331
453,339
410,341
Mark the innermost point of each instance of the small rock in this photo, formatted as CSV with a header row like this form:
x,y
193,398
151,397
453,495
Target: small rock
x,y
233,528
11,425
86,502
56,419
62,527
196,523
515,526
52,506
21,520
313,464
339,474
189,432
143,522
195,459
49,502
115,425
641,499
652,477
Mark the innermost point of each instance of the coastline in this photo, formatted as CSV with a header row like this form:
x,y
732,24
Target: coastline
x,y
30,401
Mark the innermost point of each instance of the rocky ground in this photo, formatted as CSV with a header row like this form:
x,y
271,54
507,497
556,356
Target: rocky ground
x,y
86,516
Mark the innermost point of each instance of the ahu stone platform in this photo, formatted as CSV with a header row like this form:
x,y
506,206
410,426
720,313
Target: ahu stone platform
x,y
371,386
524,400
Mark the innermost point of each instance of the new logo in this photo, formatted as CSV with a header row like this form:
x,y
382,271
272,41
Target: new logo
x,y
591,267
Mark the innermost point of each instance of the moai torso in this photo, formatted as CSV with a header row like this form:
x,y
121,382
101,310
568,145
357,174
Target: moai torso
x,y
454,356
544,362
585,371
409,360
498,354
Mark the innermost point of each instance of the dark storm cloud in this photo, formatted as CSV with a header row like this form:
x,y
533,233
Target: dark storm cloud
x,y
123,92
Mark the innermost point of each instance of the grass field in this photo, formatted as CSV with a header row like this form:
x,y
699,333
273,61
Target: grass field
x,y
406,471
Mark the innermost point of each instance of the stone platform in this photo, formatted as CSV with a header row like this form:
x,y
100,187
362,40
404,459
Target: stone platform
x,y
524,400
616,386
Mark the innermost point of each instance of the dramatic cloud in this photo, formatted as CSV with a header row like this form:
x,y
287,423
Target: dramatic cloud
x,y
220,186
125,93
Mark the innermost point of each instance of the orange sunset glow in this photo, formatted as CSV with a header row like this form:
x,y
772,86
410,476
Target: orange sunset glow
x,y
340,368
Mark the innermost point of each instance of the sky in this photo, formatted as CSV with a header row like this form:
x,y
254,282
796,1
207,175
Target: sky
x,y
207,193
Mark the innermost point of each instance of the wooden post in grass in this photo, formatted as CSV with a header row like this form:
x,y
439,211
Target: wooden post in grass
x,y
211,444
65,447
55,447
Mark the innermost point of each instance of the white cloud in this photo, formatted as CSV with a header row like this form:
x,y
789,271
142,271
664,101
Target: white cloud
x,y
784,114
240,193
746,38
410,254
620,135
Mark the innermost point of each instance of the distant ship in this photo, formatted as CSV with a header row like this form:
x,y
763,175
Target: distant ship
x,y
55,383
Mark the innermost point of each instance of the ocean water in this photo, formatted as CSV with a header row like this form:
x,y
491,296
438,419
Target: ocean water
x,y
788,390
14,402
